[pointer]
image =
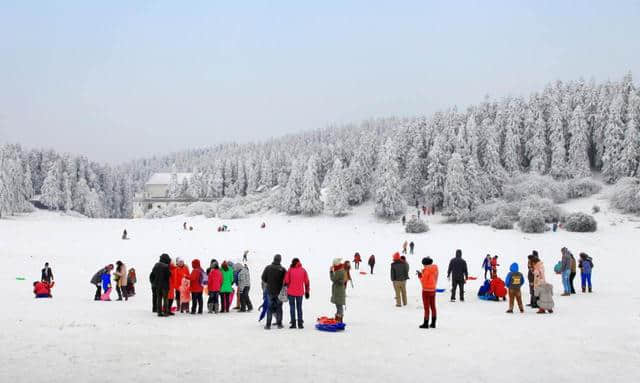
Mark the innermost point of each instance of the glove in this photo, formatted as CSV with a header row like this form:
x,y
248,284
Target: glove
x,y
306,295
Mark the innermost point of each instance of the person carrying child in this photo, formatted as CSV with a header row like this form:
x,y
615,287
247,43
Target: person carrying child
x,y
514,282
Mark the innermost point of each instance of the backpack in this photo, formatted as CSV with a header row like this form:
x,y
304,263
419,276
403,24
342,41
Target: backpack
x,y
282,297
558,268
516,280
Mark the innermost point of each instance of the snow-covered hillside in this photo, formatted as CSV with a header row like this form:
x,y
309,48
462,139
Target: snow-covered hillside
x,y
590,336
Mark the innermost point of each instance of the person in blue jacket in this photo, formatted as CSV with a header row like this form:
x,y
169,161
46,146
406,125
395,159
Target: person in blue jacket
x,y
514,282
486,264
106,285
586,265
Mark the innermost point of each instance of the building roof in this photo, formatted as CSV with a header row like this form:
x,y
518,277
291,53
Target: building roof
x,y
165,178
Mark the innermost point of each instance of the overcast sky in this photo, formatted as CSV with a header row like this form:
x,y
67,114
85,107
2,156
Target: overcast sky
x,y
117,80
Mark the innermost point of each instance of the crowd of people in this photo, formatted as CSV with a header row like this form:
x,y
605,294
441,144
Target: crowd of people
x,y
124,280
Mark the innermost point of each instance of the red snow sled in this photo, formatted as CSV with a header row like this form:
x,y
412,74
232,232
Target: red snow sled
x,y
363,273
329,325
472,278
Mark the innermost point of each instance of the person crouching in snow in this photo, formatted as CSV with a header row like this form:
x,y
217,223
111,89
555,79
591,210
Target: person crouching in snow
x,y
514,282
42,289
428,280
338,289
542,289
297,281
497,288
96,280
185,294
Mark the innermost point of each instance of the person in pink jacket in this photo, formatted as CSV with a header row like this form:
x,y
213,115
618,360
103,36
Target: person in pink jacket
x,y
185,294
297,282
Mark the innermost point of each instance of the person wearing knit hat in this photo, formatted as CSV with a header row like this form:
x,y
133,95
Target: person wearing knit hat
x,y
399,276
338,289
428,280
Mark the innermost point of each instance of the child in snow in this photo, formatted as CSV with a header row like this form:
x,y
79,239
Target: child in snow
x,y
497,288
356,260
124,234
486,265
428,280
185,294
131,281
411,247
494,266
514,282
372,262
106,286
585,265
42,289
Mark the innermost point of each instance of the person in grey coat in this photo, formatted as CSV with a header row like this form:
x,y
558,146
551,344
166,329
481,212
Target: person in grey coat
x,y
565,271
544,294
244,284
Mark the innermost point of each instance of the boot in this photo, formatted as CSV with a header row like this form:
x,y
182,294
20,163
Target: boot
x,y
540,311
425,323
293,324
338,318
300,326
210,307
590,289
433,322
584,289
279,325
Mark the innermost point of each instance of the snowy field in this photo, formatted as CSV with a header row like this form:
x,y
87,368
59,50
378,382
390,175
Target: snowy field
x,y
72,338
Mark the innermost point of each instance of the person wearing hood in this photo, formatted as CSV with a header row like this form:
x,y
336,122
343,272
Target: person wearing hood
x,y
160,281
196,281
297,282
542,289
214,281
96,280
514,282
226,287
356,260
273,280
399,276
181,271
338,290
428,280
458,274
244,284
585,265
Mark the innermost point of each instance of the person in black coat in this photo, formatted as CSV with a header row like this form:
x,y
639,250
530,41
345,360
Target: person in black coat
x,y
372,262
273,279
159,279
47,274
458,274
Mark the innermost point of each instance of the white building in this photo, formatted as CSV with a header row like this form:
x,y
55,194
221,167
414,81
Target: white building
x,y
156,194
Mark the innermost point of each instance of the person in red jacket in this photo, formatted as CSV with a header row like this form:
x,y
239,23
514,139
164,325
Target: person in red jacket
x,y
297,282
213,285
173,288
356,260
182,271
497,288
494,266
42,289
196,279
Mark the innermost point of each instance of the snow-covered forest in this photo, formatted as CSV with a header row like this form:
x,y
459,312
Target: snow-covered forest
x,y
455,159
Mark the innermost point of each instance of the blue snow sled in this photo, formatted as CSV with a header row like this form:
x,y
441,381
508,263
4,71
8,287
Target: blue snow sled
x,y
335,327
440,290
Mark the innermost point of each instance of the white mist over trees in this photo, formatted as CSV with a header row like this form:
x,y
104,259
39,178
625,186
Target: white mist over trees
x,y
453,160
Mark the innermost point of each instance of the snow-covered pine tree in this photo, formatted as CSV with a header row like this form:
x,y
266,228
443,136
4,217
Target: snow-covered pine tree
x,y
414,181
630,156
310,202
494,175
50,196
613,139
538,144
579,145
457,198
387,196
511,148
291,196
436,172
336,197
67,197
558,168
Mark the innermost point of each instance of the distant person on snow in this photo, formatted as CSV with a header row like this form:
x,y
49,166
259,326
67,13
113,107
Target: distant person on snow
x,y
42,289
263,225
458,274
297,281
424,210
160,281
124,234
184,226
404,247
399,276
404,220
411,247
338,292
428,280
245,255
514,282
356,260
486,265
372,262
586,266
46,274
96,280
273,278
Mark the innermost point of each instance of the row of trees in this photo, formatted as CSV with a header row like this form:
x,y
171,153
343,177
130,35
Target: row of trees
x,y
454,159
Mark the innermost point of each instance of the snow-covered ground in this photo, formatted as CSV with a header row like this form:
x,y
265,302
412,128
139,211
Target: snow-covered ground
x,y
72,338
